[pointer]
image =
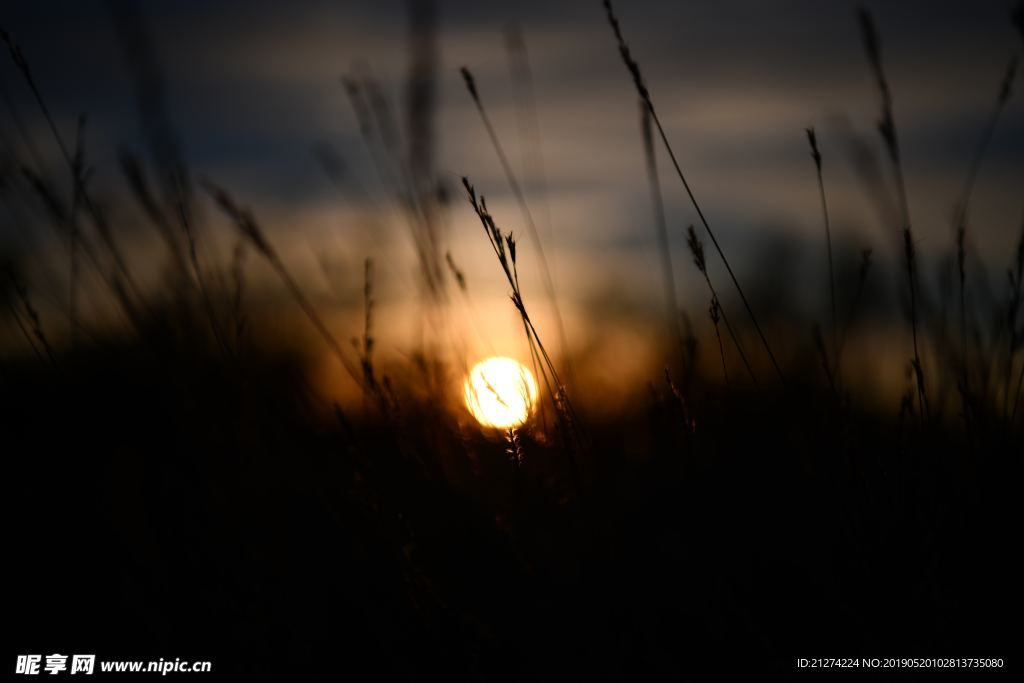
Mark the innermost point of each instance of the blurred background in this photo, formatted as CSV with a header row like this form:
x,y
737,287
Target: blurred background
x,y
242,282
252,99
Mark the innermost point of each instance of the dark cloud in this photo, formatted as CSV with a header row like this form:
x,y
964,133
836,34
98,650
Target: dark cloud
x,y
251,87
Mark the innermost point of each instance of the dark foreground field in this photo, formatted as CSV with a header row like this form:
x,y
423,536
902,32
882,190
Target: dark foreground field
x,y
176,505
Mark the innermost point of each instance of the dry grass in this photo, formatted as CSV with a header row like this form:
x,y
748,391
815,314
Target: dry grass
x,y
812,139
524,208
638,82
699,260
415,543
246,224
887,130
504,247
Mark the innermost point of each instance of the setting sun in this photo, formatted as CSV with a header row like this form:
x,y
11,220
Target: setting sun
x,y
500,392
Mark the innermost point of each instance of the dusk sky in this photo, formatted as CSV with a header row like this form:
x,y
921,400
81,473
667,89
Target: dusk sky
x,y
251,88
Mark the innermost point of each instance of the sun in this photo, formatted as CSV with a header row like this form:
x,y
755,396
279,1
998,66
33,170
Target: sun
x,y
500,392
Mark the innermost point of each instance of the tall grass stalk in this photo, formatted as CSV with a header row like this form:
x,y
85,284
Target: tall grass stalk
x,y
135,176
245,223
240,322
99,221
960,222
133,172
20,126
862,277
368,342
32,315
524,208
699,260
78,169
887,131
812,139
59,220
638,81
668,280
162,144
521,76
715,313
380,133
504,247
16,315
819,344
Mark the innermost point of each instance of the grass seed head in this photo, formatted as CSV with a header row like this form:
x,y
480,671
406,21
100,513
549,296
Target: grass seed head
x,y
697,249
812,138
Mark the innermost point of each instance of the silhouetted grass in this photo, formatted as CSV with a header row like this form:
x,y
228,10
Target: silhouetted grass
x,y
504,246
78,179
638,82
668,280
524,208
699,260
887,130
246,224
812,139
716,526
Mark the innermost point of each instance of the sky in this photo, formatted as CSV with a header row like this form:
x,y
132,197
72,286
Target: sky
x,y
252,87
